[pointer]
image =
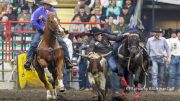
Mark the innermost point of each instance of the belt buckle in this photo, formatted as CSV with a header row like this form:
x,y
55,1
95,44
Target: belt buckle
x,y
159,56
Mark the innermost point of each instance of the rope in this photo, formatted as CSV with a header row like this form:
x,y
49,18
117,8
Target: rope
x,y
129,61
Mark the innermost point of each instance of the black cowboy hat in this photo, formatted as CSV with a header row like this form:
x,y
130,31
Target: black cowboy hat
x,y
173,31
157,30
82,34
25,7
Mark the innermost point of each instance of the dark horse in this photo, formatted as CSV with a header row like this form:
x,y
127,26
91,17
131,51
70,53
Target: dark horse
x,y
50,56
132,62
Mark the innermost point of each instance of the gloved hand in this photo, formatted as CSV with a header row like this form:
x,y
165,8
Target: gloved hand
x,y
41,18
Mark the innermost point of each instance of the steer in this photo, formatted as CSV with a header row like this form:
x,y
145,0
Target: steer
x,y
97,71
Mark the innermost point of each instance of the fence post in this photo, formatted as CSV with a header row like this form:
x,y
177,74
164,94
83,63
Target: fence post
x,y
7,38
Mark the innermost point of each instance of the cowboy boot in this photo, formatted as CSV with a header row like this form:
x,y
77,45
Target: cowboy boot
x,y
68,62
27,65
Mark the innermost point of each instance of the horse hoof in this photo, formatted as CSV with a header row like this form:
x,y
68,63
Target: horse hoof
x,y
62,89
54,97
137,96
48,96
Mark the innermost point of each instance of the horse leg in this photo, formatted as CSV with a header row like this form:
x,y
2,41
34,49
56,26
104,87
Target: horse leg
x,y
137,84
60,75
53,82
47,85
41,73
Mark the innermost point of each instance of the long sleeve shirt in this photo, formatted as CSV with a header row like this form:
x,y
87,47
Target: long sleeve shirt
x,y
158,47
36,22
69,46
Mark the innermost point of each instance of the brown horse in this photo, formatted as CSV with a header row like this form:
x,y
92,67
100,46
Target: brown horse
x,y
50,56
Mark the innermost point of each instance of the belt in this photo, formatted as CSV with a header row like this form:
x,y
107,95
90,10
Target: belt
x,y
175,56
158,56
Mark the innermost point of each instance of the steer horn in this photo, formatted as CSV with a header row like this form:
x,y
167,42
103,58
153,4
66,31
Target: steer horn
x,y
120,56
104,55
86,56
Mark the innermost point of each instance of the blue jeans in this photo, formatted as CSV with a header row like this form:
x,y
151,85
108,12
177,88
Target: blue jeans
x,y
83,76
158,69
34,45
112,61
66,77
114,81
174,72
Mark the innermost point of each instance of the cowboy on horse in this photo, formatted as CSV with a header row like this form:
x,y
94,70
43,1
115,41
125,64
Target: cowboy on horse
x,y
38,20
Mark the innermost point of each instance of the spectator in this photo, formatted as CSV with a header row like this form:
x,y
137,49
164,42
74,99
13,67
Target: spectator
x,y
174,70
111,27
66,72
113,9
122,26
93,19
25,13
10,14
77,8
2,27
83,15
99,3
32,6
2,11
77,28
159,56
119,3
83,76
126,15
131,8
22,26
97,11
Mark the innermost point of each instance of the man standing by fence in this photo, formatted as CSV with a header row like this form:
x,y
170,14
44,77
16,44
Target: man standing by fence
x,y
159,52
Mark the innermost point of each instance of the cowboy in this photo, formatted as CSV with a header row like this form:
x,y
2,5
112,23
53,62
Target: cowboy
x,y
99,44
159,52
38,20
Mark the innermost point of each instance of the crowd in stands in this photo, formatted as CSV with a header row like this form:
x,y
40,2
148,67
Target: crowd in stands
x,y
115,13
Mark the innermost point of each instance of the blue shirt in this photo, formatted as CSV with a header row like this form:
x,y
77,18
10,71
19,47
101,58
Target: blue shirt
x,y
36,22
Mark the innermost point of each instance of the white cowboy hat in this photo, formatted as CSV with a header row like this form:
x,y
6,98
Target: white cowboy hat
x,y
49,2
30,1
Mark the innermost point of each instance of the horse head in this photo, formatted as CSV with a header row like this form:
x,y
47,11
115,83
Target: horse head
x,y
53,24
133,43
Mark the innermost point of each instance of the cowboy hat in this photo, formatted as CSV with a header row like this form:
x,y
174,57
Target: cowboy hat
x,y
49,2
95,31
30,1
157,30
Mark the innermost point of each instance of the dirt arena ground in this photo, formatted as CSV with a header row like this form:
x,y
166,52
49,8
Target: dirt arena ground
x,y
74,95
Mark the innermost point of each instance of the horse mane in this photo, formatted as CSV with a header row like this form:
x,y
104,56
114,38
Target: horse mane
x,y
48,32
